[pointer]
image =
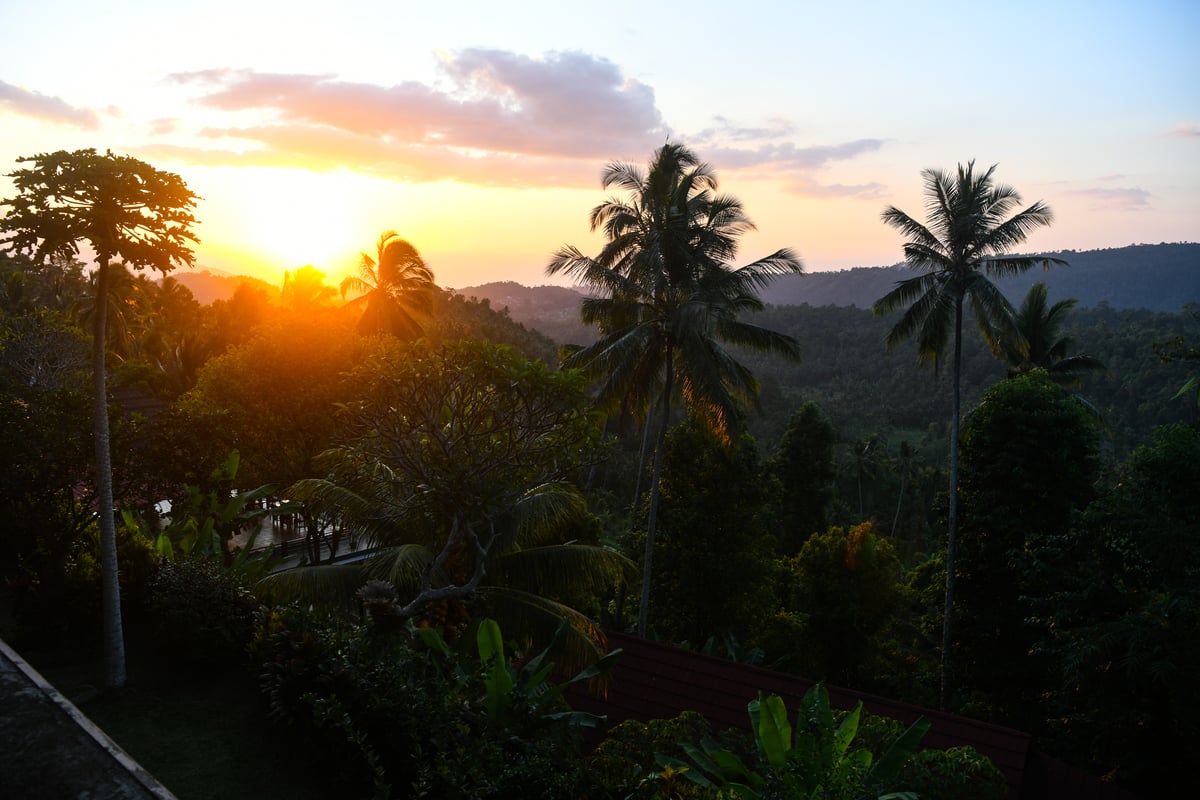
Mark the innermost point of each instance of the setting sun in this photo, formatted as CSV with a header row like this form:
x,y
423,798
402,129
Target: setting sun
x,y
289,218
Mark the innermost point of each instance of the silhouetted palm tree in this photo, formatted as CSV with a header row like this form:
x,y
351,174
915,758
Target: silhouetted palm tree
x,y
395,286
304,291
963,244
1036,340
667,299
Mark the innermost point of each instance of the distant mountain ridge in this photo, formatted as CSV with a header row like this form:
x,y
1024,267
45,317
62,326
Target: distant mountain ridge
x,y
1158,277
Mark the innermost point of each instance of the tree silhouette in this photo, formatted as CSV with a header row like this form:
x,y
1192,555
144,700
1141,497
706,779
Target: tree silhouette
x,y
667,300
1036,341
395,286
125,210
958,251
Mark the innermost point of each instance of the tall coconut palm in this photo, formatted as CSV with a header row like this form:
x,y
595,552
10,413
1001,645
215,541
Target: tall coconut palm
x,y
394,287
964,244
1036,340
666,299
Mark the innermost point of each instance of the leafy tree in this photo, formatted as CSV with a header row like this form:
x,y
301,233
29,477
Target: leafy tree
x,y
394,286
1029,464
667,299
1036,340
715,552
964,245
1125,620
842,589
127,211
44,422
803,465
274,399
455,461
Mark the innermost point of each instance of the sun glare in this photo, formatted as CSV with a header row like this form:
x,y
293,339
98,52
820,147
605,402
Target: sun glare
x,y
290,218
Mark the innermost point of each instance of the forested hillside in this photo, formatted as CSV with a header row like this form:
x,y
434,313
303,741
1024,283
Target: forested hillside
x,y
863,388
1160,277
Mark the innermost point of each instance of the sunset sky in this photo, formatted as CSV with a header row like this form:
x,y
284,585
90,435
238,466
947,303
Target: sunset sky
x,y
479,130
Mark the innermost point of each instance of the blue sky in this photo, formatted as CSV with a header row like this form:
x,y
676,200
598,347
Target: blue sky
x,y
479,131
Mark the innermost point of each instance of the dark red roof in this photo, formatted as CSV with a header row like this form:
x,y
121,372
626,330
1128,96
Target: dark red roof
x,y
657,681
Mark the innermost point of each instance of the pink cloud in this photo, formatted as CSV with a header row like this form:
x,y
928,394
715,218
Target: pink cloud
x,y
498,118
44,107
564,105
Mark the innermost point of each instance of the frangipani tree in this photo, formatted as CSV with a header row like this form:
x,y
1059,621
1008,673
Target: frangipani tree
x,y
456,461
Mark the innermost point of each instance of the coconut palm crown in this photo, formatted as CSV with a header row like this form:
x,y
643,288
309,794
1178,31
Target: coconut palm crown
x,y
665,300
394,288
973,224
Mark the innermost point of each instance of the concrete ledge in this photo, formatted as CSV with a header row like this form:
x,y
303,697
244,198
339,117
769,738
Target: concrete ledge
x,y
50,750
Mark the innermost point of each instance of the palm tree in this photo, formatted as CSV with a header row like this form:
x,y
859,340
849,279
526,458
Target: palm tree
x,y
962,246
393,286
666,300
304,291
1035,341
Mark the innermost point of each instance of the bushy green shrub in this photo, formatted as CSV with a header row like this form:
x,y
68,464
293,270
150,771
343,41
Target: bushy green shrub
x,y
957,773
199,612
624,764
395,712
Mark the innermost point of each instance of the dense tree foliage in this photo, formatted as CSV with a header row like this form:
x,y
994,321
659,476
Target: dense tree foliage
x,y
810,538
804,467
1125,620
126,211
457,460
1030,463
715,551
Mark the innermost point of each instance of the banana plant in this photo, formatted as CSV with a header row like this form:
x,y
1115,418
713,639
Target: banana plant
x,y
205,520
813,761
510,689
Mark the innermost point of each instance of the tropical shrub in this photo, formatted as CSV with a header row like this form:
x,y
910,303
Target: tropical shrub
x,y
624,764
816,762
395,710
199,612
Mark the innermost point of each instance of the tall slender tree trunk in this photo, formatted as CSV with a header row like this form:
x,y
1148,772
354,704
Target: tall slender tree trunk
x,y
652,523
899,501
952,536
114,634
647,427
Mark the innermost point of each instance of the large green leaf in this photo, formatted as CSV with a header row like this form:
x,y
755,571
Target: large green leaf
x,y
497,680
772,729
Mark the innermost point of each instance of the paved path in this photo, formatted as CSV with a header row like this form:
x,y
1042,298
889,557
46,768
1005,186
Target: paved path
x,y
50,751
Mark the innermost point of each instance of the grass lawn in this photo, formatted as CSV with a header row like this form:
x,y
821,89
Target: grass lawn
x,y
205,736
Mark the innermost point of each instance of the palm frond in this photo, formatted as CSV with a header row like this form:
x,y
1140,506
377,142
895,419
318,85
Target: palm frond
x,y
533,621
329,587
564,570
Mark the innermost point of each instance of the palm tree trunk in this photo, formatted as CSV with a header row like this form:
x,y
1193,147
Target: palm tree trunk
x,y
952,536
899,501
647,426
652,523
114,635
